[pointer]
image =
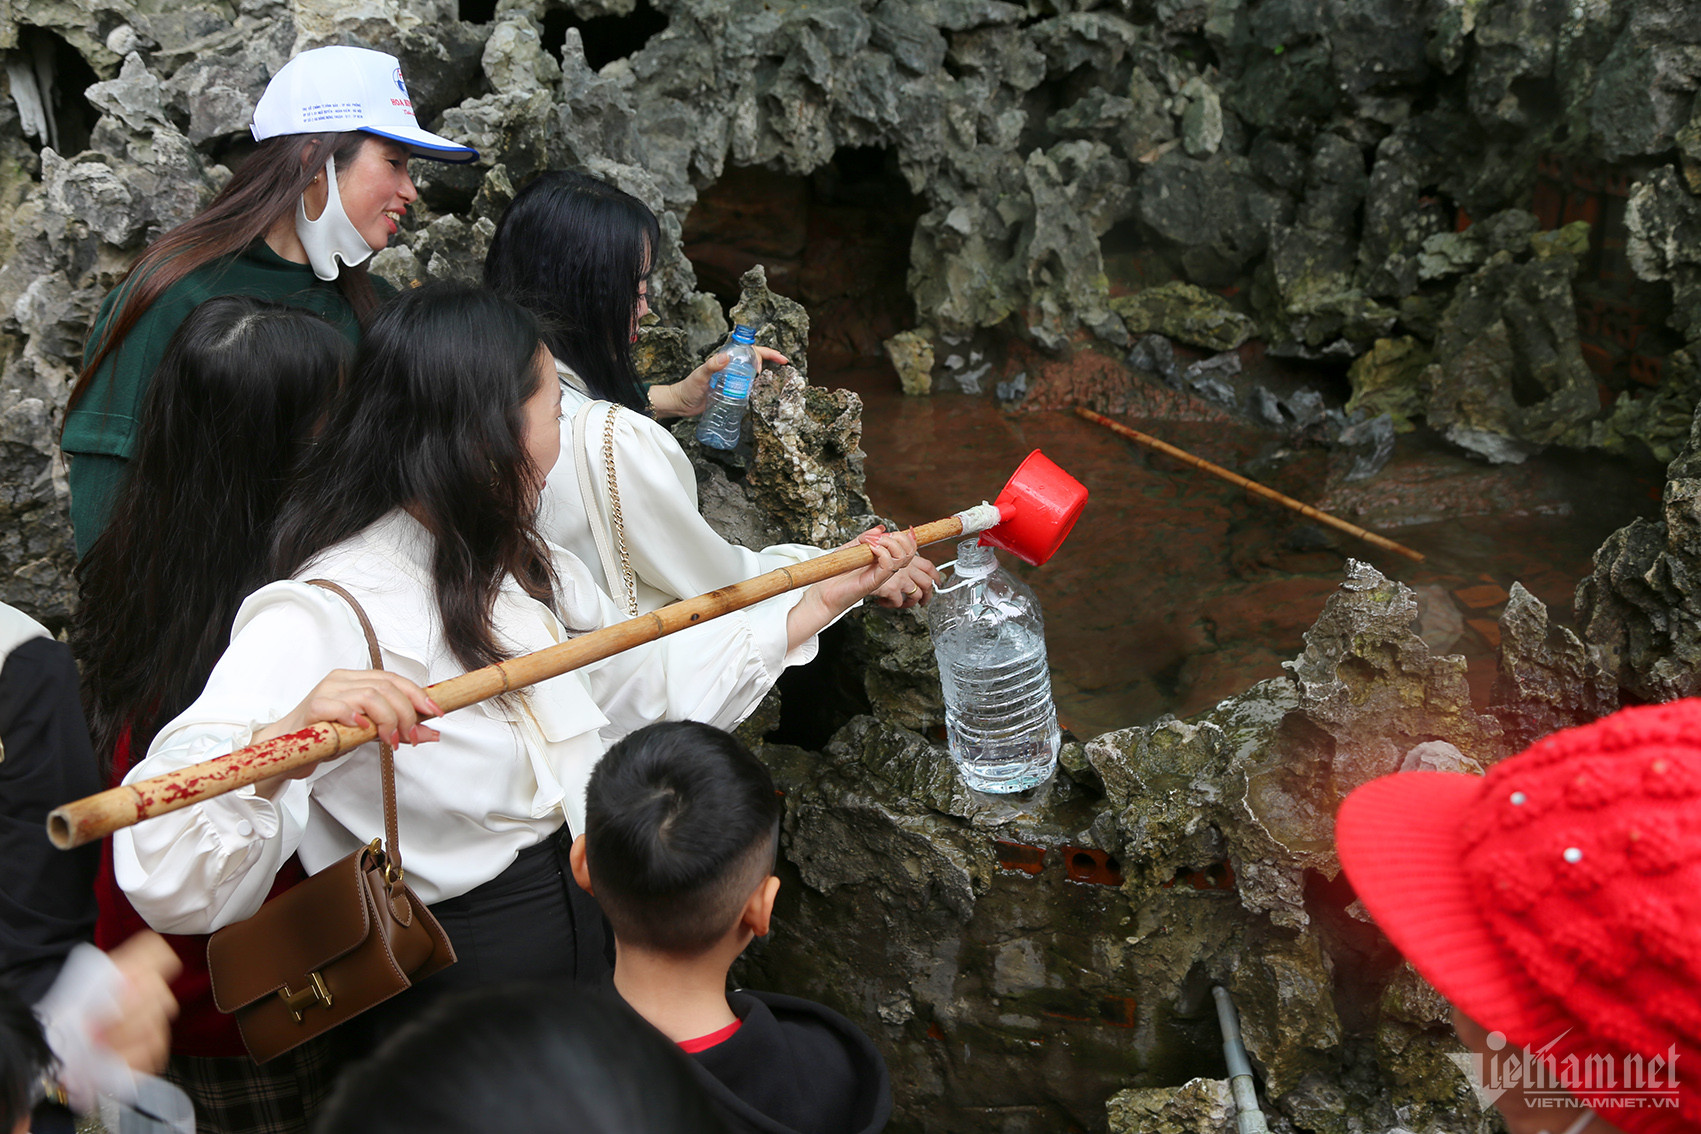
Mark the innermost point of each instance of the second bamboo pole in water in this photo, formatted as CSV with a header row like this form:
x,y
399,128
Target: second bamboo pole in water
x,y
1253,486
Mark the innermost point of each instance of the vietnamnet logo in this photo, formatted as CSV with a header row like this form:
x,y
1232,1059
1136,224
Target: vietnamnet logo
x,y
1629,1083
404,102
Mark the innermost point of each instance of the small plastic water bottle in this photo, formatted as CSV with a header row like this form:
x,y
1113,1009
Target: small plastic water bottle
x,y
989,640
729,392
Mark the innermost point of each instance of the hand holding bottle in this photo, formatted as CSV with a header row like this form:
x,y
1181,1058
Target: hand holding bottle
x,y
723,417
688,396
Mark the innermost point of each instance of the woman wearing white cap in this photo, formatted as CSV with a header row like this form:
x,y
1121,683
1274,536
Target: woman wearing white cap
x,y
323,191
295,225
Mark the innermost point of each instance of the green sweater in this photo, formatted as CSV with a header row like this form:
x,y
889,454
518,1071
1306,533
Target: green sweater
x,y
100,432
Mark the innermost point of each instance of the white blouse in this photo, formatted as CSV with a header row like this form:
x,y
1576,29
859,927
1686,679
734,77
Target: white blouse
x,y
673,552
500,780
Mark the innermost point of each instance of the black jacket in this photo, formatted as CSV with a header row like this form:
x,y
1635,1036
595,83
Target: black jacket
x,y
47,900
795,1067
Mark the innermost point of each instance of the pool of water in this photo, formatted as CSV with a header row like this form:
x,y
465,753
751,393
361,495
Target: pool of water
x,y
1177,589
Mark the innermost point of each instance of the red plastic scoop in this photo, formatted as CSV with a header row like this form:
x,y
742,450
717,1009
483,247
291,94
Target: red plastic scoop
x,y
1037,509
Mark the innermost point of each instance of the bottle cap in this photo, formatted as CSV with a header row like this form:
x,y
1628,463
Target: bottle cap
x,y
975,559
743,334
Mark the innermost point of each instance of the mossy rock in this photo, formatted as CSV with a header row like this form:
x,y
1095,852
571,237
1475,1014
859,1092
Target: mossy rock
x,y
1416,1047
911,353
1569,240
1199,1106
1185,312
1388,378
662,355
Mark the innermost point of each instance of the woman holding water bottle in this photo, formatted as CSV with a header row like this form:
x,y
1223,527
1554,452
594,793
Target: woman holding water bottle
x,y
623,496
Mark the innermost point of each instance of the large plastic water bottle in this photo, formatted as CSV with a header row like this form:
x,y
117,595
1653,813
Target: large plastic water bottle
x,y
989,640
718,428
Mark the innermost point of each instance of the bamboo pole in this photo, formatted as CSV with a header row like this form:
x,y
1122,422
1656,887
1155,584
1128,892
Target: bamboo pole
x,y
1303,509
84,820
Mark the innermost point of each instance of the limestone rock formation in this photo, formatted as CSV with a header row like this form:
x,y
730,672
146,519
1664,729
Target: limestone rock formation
x,y
1509,374
1316,159
779,322
805,473
1198,1106
1638,609
1388,379
1031,957
912,357
1658,422
1311,168
1548,678
1359,709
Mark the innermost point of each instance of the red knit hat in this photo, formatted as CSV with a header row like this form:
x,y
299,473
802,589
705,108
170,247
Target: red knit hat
x,y
1558,900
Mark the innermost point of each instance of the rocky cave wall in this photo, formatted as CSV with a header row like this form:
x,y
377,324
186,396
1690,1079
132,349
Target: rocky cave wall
x,y
1045,963
1304,170
1345,179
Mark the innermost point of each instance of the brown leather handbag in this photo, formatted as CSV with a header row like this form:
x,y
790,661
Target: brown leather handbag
x,y
330,947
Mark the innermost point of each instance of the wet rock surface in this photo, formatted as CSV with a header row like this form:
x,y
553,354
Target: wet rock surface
x,y
1182,311
1509,374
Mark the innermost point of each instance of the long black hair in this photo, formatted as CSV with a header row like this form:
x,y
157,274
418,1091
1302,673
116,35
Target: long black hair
x,y
432,422
533,1058
573,250
232,405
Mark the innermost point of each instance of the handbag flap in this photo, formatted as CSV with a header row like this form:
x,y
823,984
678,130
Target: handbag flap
x,y
305,928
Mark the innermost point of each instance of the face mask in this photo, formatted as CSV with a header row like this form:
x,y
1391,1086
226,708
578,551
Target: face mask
x,y
333,236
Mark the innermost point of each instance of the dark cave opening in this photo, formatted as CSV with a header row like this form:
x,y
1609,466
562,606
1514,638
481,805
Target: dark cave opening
x,y
1131,259
817,700
1622,319
606,38
837,241
61,75
1196,48
475,11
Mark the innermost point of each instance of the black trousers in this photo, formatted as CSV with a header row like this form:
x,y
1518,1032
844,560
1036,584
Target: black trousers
x,y
532,922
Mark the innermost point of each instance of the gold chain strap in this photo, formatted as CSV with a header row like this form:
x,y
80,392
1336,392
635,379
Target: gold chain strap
x,y
629,587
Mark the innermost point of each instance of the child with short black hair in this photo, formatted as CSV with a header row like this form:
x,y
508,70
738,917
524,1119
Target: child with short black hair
x,y
681,829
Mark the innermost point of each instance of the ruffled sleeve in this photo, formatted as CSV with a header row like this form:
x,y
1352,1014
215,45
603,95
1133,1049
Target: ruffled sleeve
x,y
716,673
203,867
673,551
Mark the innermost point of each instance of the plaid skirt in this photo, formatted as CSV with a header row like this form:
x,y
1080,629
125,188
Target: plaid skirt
x,y
238,1096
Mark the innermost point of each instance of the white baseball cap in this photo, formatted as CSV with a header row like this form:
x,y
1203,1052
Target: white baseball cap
x,y
347,88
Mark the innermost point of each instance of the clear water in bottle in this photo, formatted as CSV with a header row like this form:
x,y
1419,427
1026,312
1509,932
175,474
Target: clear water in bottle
x,y
989,640
729,392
